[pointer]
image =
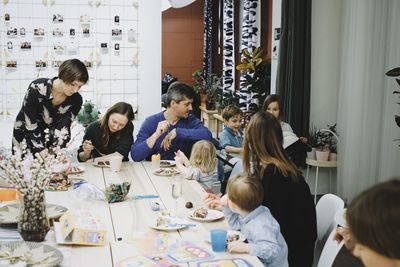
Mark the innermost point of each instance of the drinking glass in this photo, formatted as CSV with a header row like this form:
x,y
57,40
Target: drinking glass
x,y
176,191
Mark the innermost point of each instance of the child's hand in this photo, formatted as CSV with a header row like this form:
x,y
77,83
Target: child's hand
x,y
181,158
303,140
212,201
224,201
239,247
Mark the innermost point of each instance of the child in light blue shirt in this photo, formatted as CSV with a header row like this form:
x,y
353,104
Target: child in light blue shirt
x,y
231,138
243,210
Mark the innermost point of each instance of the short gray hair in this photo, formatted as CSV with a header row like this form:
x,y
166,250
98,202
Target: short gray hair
x,y
179,91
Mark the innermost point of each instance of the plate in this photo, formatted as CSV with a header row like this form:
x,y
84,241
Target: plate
x,y
102,164
76,169
167,163
340,218
71,185
9,213
212,215
231,234
39,254
166,172
173,224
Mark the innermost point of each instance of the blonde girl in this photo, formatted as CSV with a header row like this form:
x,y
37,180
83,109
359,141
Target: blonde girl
x,y
202,165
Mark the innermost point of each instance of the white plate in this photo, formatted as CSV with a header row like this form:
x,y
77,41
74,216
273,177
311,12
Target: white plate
x,y
76,169
102,165
168,163
9,213
340,218
166,172
40,254
212,215
230,233
173,225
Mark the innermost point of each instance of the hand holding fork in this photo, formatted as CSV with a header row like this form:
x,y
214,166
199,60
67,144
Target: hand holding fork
x,y
88,147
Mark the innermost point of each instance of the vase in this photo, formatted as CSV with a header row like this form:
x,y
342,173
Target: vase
x,y
322,155
33,223
311,154
332,157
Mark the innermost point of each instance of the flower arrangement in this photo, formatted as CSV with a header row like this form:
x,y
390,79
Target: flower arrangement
x,y
30,173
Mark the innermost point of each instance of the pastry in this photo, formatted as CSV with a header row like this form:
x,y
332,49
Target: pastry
x,y
234,237
189,205
162,220
200,213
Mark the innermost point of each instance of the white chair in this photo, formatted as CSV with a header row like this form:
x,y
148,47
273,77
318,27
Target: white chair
x,y
329,252
326,209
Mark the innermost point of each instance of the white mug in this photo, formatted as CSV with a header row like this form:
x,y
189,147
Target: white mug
x,y
115,163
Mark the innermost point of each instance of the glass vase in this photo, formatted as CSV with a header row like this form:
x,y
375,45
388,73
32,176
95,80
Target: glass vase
x,y
33,223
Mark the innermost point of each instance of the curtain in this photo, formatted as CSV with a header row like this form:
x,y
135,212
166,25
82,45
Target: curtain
x,y
228,78
207,45
366,106
293,78
249,40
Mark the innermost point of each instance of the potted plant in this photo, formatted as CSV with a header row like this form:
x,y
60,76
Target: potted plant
x,y
313,142
208,89
257,74
326,142
87,114
333,143
227,98
395,73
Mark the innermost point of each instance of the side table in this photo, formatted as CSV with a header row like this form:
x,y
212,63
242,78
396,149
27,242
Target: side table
x,y
208,119
319,164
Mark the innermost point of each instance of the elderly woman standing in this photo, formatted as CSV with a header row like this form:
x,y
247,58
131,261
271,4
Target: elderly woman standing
x,y
51,104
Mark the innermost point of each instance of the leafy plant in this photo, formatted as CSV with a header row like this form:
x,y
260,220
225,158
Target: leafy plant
x,y
228,98
210,87
326,140
395,73
312,136
88,113
255,73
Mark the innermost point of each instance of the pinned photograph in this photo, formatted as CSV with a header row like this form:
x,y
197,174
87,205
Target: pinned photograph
x,y
103,45
116,19
116,47
88,63
26,45
58,18
6,17
72,32
9,45
58,32
131,35
85,19
22,31
116,32
40,64
58,47
38,32
11,63
86,31
57,63
12,31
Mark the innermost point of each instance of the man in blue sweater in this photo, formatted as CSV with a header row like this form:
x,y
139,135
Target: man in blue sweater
x,y
171,130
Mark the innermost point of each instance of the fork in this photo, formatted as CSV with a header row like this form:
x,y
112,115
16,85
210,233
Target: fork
x,y
98,151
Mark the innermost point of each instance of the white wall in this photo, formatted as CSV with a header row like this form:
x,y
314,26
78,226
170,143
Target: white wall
x,y
325,33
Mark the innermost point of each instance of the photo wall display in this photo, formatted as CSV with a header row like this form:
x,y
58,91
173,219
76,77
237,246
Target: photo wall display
x,y
36,37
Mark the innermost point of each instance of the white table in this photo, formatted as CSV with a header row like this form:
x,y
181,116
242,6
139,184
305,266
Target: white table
x,y
125,220
319,164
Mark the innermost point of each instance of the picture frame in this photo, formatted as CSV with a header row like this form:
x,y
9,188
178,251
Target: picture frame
x,y
26,45
58,18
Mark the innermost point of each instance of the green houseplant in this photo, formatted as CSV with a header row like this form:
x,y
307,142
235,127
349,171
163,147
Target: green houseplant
x,y
87,114
256,73
211,87
395,73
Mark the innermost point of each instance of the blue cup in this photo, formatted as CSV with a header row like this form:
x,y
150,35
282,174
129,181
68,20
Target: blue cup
x,y
218,240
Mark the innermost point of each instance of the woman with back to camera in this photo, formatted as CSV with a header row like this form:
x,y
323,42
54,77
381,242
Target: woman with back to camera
x,y
286,193
51,104
113,133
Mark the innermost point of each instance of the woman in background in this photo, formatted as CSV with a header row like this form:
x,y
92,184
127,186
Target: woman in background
x,y
51,104
373,219
113,133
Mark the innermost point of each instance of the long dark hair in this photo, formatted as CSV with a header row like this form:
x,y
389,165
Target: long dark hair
x,y
263,145
108,138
